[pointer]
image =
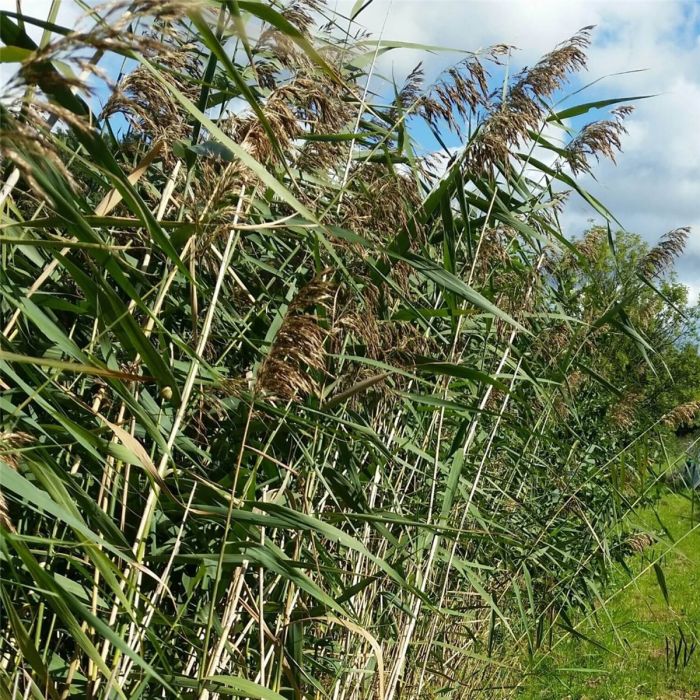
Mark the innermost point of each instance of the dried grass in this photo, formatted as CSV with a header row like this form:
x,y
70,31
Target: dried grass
x,y
510,121
661,256
624,413
285,373
10,443
601,138
682,415
26,140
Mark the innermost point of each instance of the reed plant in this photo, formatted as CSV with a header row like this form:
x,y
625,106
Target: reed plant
x,y
291,409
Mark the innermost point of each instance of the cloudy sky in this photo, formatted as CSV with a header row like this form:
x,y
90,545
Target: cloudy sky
x,y
656,184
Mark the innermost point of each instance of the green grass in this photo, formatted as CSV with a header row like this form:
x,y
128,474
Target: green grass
x,y
638,623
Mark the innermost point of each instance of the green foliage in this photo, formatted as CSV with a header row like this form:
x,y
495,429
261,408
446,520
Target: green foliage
x,y
288,411
637,624
657,367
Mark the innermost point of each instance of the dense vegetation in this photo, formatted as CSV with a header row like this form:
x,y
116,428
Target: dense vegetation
x,y
644,646
290,409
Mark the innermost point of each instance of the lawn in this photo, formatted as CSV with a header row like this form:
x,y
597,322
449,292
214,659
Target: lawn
x,y
639,623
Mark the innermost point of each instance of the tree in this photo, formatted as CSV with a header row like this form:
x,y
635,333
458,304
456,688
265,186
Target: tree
x,y
649,349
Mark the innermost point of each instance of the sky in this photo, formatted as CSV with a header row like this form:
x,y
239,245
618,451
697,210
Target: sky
x,y
655,186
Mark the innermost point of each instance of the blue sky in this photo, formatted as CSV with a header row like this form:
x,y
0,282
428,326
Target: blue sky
x,y
656,184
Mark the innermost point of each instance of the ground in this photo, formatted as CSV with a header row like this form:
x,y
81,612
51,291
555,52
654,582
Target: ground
x,y
640,630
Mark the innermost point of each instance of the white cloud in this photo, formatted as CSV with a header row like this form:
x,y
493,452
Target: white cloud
x,y
656,184
69,15
693,293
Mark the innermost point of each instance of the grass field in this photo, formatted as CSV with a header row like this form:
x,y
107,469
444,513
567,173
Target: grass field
x,y
639,623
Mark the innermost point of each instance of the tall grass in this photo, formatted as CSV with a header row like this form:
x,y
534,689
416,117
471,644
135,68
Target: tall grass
x,y
289,409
